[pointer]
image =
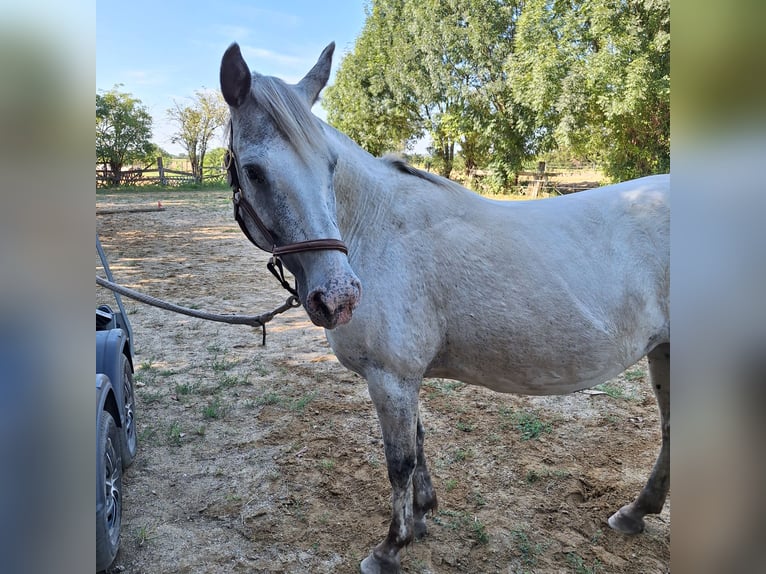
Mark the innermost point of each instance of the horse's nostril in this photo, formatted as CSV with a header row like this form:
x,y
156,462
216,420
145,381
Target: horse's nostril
x,y
318,302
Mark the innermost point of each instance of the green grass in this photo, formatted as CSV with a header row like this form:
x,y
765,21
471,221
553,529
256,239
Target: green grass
x,y
579,566
270,398
450,484
528,550
634,375
144,534
185,389
528,423
459,520
300,403
229,381
465,427
615,391
174,434
214,410
222,365
150,397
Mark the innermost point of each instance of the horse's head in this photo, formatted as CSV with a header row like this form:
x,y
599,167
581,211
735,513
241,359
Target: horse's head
x,y
285,170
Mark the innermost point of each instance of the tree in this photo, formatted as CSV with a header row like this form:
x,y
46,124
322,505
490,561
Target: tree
x,y
597,75
197,123
123,129
435,67
365,101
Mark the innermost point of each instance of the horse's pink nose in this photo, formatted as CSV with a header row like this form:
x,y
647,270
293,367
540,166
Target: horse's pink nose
x,y
333,306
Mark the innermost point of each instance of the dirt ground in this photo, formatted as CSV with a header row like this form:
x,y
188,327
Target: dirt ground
x,y
269,458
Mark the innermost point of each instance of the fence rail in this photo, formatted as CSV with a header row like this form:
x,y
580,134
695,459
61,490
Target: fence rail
x,y
159,175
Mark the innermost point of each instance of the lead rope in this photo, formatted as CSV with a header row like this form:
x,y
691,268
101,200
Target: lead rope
x,y
252,320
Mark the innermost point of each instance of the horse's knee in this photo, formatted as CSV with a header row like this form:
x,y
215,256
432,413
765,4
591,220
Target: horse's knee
x,y
400,468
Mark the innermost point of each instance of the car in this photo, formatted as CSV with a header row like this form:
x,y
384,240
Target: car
x,y
116,438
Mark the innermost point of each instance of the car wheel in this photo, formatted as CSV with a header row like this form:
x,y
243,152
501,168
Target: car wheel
x,y
129,438
109,479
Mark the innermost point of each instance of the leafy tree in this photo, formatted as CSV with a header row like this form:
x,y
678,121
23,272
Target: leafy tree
x,y
123,129
433,67
197,122
597,75
365,101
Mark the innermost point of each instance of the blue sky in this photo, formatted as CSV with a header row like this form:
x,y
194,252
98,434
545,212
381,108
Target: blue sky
x,y
164,51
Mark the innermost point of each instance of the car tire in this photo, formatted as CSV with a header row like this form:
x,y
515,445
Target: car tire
x,y
128,436
109,480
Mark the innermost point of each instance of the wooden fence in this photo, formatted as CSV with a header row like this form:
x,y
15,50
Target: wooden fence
x,y
160,175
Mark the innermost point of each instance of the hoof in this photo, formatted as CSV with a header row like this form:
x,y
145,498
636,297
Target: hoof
x,y
372,565
624,521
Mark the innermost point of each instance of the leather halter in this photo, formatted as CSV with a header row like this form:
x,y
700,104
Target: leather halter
x,y
275,264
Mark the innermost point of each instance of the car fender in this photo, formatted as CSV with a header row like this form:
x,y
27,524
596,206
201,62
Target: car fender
x,y
110,348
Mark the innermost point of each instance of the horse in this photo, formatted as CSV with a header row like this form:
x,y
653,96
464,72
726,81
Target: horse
x,y
412,275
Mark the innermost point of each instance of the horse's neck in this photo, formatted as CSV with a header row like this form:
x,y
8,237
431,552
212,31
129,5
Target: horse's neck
x,y
362,188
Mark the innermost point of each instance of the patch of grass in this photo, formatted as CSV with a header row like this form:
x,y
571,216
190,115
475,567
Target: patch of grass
x,y
450,484
151,397
579,566
174,434
530,425
634,375
327,464
528,551
222,365
444,387
460,454
229,381
167,373
300,403
214,410
144,534
459,520
270,398
614,391
185,389
147,435
478,498
465,427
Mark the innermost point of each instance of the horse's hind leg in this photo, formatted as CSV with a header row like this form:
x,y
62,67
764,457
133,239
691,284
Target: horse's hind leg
x,y
396,401
630,518
424,496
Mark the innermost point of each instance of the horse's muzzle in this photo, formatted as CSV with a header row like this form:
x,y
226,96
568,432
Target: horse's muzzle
x,y
334,304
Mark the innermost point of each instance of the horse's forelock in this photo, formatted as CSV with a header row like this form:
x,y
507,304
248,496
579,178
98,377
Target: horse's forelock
x,y
289,112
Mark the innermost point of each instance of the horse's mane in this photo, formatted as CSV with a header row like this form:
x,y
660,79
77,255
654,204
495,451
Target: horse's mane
x,y
401,165
289,112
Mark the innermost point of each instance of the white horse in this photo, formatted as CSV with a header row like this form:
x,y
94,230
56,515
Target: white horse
x,y
414,276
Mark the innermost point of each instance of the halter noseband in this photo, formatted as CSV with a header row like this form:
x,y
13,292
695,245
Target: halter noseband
x,y
275,264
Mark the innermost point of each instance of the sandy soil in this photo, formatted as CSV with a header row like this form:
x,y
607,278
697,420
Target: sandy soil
x,y
269,459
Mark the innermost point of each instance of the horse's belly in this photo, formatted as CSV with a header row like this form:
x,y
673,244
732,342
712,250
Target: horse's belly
x,y
529,381
539,367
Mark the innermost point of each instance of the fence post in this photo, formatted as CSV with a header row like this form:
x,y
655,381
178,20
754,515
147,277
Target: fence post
x,y
161,169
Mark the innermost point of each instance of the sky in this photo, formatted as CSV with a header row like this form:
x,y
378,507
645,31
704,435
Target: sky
x,y
162,52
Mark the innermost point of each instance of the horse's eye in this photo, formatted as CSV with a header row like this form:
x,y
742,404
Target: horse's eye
x,y
255,174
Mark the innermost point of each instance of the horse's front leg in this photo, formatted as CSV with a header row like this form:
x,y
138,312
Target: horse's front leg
x,y
424,496
396,401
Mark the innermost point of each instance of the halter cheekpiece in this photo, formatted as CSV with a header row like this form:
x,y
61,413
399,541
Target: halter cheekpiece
x,y
275,264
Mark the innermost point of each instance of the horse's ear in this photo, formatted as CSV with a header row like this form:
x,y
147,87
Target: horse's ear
x,y
235,77
317,77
